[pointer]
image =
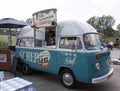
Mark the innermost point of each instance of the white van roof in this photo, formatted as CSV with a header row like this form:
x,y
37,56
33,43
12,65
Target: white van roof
x,y
73,28
65,28
28,31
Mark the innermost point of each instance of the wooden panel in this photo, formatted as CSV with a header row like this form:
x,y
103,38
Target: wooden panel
x,y
5,63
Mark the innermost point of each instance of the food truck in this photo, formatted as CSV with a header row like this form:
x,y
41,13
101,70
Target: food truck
x,y
70,49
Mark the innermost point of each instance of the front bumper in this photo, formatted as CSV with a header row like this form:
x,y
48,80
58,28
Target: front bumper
x,y
103,78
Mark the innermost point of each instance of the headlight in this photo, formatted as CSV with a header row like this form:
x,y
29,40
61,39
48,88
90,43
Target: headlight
x,y
97,66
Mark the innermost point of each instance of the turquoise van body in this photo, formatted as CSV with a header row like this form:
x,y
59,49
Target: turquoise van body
x,y
78,63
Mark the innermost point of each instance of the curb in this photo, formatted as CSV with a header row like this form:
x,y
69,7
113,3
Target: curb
x,y
115,61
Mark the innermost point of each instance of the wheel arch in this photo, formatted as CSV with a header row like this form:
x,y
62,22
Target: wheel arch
x,y
62,68
21,63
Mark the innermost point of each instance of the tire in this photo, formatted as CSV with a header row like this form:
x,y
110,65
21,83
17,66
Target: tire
x,y
67,78
26,69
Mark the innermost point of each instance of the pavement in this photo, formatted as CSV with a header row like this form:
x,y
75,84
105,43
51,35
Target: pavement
x,y
115,56
115,53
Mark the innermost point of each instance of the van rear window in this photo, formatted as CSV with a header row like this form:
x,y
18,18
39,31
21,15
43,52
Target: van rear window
x,y
27,42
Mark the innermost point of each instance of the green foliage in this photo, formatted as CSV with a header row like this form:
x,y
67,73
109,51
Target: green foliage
x,y
117,33
110,38
118,27
29,20
103,22
109,32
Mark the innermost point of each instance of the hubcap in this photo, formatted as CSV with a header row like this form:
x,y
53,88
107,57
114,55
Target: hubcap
x,y
67,79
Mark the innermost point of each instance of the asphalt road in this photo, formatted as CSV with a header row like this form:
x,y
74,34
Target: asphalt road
x,y
48,82
115,53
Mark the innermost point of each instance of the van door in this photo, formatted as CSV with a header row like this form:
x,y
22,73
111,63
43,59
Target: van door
x,y
66,55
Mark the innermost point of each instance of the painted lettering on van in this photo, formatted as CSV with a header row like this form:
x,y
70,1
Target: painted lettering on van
x,y
41,58
70,59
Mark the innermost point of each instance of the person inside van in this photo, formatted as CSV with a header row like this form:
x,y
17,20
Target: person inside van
x,y
87,42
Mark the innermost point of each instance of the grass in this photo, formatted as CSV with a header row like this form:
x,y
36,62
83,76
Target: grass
x,y
4,41
3,38
110,38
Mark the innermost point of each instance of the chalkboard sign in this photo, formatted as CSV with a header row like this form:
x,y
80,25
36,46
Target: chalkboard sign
x,y
15,65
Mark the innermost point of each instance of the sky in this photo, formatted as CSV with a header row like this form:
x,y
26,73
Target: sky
x,y
80,10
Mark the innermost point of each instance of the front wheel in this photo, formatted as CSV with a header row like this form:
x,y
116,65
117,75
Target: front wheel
x,y
67,78
26,69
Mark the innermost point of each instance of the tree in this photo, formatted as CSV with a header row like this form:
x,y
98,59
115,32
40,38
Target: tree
x,y
109,32
29,20
118,27
109,21
92,21
103,22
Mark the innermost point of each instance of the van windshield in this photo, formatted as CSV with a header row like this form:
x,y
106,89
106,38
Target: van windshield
x,y
93,42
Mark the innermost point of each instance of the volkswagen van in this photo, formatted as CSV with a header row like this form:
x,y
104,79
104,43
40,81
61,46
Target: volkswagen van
x,y
63,50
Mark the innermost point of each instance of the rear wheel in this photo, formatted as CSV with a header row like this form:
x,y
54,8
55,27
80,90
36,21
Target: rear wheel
x,y
26,69
67,78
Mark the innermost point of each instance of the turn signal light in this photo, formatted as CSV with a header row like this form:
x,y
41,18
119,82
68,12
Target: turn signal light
x,y
97,56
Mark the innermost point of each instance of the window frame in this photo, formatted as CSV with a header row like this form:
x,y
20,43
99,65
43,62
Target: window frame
x,y
24,40
73,45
